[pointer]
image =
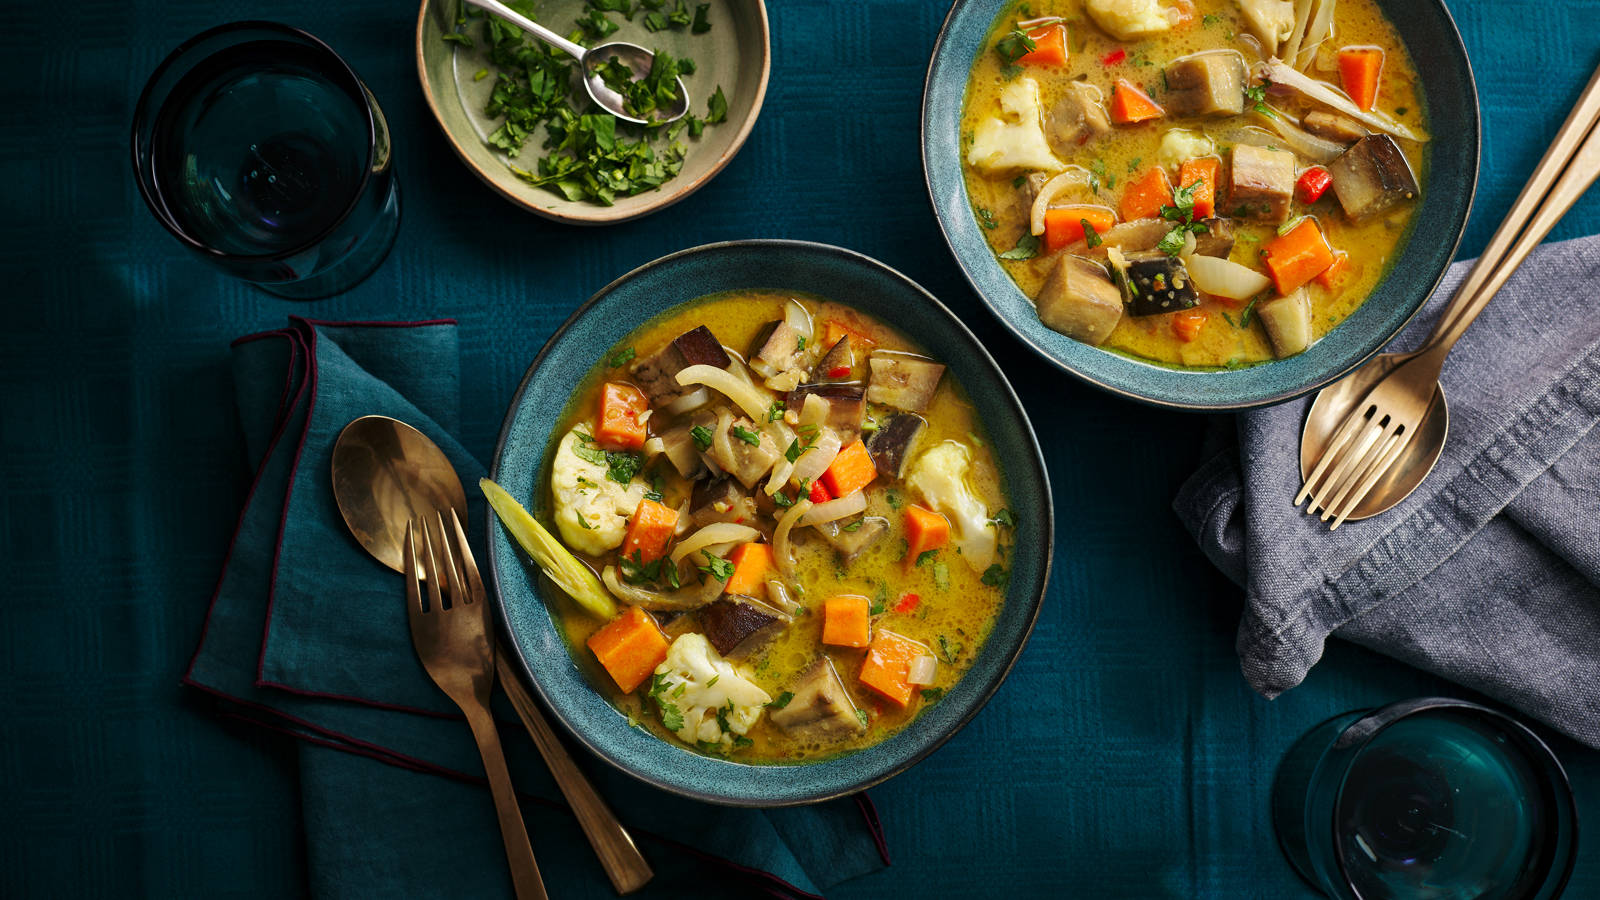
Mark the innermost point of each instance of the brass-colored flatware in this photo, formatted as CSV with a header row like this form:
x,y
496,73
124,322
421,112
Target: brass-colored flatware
x,y
385,475
450,631
1373,437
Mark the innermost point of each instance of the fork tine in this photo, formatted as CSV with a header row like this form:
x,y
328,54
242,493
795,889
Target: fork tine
x,y
1391,452
435,600
1373,462
469,566
413,589
458,591
1354,463
1341,438
1358,451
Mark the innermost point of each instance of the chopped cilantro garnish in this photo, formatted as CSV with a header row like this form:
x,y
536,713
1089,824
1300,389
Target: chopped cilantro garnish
x,y
926,556
716,567
621,357
949,649
986,219
941,575
994,576
744,434
775,412
932,695
1027,247
1004,517
1091,237
782,701
702,437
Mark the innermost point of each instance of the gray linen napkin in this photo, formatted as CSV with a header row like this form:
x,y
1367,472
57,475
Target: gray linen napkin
x,y
1489,574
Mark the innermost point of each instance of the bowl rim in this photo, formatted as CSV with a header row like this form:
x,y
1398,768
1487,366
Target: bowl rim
x,y
1035,464
670,193
1369,348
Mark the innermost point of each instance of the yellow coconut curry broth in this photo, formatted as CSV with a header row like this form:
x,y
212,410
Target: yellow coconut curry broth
x,y
1157,95
733,651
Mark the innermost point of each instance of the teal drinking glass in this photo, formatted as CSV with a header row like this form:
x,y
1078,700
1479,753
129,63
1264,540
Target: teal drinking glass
x,y
262,151
1427,799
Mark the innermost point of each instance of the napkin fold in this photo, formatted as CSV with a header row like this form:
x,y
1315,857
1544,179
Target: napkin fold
x,y
1489,574
307,635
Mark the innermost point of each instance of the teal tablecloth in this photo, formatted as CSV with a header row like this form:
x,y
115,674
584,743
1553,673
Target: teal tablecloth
x,y
1124,757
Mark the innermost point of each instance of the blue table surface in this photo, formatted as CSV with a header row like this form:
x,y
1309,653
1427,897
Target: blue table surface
x,y
1138,763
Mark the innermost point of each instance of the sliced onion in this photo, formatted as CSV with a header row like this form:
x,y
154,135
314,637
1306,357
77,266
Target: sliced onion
x,y
780,537
923,669
1308,145
686,598
753,400
778,595
815,410
1279,72
722,439
715,533
812,463
799,319
784,382
682,528
1224,278
654,447
1048,191
1038,23
688,402
838,508
781,436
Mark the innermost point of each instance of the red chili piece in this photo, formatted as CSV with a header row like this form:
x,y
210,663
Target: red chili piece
x,y
1313,183
838,371
1114,58
907,603
819,493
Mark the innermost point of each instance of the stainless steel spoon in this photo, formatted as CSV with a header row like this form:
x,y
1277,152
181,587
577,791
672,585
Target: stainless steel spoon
x,y
636,58
385,472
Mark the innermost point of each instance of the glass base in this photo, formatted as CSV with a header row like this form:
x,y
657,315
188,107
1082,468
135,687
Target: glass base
x,y
362,260
1290,787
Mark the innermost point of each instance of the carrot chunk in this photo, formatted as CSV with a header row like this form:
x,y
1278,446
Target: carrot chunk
x,y
888,665
618,426
751,565
925,530
649,531
1335,272
1130,104
846,620
833,329
1145,194
850,471
1064,225
1297,257
1187,324
1359,70
1049,47
629,647
1206,173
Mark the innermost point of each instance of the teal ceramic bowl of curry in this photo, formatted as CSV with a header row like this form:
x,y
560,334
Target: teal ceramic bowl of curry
x,y
1206,204
811,519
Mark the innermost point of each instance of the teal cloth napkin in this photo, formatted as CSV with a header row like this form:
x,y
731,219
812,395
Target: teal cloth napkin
x,y
307,635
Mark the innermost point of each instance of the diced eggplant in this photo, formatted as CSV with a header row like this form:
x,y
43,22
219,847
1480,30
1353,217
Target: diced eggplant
x,y
821,708
1334,127
1079,300
1155,283
841,358
739,458
847,405
657,373
1261,183
1288,322
677,445
1205,84
903,380
1079,115
855,537
1217,240
1372,176
737,625
777,348
890,446
722,500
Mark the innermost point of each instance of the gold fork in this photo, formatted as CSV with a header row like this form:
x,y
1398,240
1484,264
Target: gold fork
x,y
451,635
1380,428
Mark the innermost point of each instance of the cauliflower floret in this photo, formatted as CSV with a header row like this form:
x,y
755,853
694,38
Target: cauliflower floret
x,y
1271,21
940,476
702,697
1016,140
1130,20
1179,144
591,510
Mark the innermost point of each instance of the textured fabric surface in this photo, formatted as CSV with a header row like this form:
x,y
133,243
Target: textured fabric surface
x,y
305,635
1124,756
1490,573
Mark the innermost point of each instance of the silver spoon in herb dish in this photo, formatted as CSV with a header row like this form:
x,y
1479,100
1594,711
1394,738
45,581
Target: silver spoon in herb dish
x,y
596,63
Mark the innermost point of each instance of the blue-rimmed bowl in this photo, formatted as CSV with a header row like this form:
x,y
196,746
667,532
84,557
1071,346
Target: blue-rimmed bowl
x,y
1451,96
519,465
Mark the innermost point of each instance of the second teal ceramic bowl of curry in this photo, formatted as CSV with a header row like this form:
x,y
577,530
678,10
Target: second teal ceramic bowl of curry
x,y
520,466
1451,96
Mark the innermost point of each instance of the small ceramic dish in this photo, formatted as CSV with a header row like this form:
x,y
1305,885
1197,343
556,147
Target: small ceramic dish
x,y
1452,100
734,54
520,466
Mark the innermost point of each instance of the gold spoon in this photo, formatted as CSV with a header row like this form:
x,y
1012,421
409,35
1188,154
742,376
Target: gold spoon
x,y
384,473
1500,258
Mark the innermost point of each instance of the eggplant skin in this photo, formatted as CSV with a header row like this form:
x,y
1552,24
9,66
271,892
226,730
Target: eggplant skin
x,y
890,445
1157,283
736,625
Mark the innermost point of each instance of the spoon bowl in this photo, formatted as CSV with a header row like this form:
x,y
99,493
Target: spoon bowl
x,y
386,473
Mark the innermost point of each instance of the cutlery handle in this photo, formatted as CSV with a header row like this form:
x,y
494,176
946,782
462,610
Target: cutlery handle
x,y
619,856
527,24
519,853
